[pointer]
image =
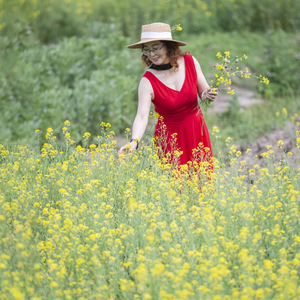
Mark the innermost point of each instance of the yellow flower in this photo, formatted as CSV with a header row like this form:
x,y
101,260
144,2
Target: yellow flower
x,y
16,293
215,129
178,27
156,115
157,269
280,143
19,246
219,67
53,284
2,266
86,135
284,111
265,80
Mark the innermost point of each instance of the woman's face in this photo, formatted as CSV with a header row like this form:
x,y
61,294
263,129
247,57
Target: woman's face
x,y
158,55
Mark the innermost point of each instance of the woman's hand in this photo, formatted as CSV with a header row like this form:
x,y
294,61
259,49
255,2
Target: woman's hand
x,y
204,91
211,94
128,147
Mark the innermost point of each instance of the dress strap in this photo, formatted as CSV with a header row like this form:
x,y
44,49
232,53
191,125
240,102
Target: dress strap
x,y
157,86
149,76
190,69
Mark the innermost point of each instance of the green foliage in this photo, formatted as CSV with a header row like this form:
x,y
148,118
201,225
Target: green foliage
x,y
87,80
94,79
282,63
232,116
275,54
52,20
53,25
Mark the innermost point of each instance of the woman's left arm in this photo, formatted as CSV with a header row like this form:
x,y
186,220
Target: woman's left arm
x,y
204,90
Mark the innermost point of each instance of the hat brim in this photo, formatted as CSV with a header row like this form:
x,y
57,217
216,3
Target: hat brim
x,y
140,44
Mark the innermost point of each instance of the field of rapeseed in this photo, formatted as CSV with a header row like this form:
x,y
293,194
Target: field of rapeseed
x,y
79,222
82,223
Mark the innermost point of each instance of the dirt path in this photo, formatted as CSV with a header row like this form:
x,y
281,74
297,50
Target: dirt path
x,y
245,97
282,144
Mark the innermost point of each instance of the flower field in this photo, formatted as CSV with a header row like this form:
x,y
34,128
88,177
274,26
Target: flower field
x,y
98,226
79,222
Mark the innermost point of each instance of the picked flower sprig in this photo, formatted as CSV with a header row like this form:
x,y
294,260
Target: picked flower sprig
x,y
224,72
176,27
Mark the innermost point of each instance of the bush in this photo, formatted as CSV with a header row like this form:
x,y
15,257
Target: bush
x,y
282,63
52,20
87,80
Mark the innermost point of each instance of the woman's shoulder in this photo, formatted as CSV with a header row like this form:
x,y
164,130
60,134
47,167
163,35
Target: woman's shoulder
x,y
147,78
145,81
145,87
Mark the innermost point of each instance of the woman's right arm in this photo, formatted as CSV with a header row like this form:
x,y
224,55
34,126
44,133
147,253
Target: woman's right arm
x,y
145,94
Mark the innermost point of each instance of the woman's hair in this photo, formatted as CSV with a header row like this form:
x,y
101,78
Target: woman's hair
x,y
173,52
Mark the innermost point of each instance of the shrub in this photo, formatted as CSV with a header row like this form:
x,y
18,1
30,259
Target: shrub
x,y
52,20
282,63
87,80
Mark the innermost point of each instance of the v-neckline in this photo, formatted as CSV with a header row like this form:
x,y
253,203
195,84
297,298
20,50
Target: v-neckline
x,y
178,91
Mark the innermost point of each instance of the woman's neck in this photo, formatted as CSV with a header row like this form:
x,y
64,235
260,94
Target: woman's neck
x,y
161,67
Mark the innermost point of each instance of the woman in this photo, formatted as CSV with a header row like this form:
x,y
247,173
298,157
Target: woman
x,y
171,83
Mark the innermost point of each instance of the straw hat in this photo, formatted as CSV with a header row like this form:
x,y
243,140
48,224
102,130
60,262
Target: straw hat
x,y
155,32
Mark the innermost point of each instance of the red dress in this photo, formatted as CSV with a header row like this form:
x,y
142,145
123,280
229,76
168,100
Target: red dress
x,y
181,117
